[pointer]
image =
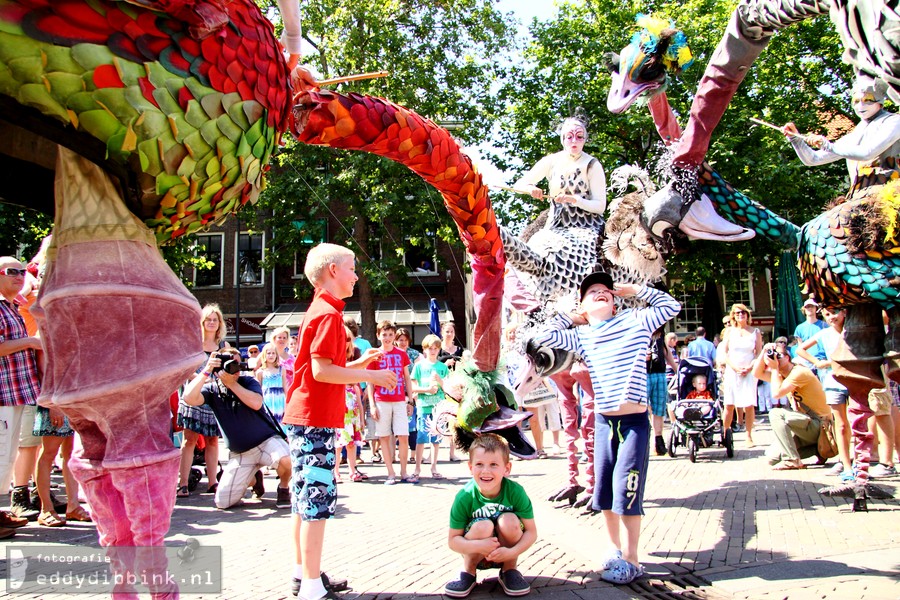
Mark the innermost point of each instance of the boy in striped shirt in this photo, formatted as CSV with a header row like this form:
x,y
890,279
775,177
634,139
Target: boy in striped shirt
x,y
614,347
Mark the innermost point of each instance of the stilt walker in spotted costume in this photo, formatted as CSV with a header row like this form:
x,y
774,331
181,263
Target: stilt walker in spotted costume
x,y
556,258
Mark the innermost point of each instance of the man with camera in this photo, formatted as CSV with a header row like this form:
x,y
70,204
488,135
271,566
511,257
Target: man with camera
x,y
255,440
797,427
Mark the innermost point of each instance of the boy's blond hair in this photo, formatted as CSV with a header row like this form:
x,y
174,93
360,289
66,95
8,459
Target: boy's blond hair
x,y
431,341
320,257
695,377
386,324
490,442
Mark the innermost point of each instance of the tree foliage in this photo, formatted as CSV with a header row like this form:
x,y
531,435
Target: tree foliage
x,y
565,70
23,230
445,63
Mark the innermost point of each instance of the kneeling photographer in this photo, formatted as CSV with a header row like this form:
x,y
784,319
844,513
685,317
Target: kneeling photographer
x,y
796,428
255,440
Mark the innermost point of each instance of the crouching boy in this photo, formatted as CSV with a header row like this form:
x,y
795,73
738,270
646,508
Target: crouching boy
x,y
491,521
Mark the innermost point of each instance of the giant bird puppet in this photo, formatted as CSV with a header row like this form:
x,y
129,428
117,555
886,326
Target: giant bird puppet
x,y
158,118
847,255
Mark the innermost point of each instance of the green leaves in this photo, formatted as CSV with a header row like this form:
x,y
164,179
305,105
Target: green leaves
x,y
444,59
566,71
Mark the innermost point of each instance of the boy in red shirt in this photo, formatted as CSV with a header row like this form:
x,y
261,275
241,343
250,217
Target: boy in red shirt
x,y
315,408
391,408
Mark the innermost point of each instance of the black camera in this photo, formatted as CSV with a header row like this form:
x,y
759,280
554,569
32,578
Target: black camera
x,y
230,365
771,352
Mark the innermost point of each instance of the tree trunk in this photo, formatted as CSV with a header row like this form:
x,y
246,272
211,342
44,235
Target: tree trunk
x,y
363,289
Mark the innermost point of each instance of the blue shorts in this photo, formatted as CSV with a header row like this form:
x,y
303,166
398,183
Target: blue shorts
x,y
313,492
423,429
836,397
621,457
657,393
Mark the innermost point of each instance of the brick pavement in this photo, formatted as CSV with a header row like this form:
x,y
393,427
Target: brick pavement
x,y
749,531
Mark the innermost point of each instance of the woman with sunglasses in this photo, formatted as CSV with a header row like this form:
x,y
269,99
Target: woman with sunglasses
x,y
742,344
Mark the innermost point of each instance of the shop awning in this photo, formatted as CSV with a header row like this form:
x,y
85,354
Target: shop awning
x,y
402,314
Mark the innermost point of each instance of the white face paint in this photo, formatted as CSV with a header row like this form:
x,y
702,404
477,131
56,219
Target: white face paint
x,y
573,138
865,108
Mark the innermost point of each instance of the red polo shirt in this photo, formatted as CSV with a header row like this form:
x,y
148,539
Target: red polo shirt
x,y
310,402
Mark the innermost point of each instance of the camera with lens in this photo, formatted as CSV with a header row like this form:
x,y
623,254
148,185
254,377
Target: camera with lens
x,y
230,365
771,352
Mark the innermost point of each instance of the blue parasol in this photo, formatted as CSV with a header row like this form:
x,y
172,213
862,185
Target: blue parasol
x,y
435,324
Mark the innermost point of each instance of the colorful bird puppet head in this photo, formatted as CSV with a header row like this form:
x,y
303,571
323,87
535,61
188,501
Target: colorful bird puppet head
x,y
642,67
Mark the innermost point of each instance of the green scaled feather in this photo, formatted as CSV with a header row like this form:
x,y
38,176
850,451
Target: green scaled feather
x,y
479,401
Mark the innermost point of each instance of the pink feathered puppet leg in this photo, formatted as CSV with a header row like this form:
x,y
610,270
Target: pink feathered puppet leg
x,y
121,333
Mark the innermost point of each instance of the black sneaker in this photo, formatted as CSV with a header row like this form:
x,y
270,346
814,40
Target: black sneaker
x,y
283,499
462,587
338,585
513,583
660,446
259,488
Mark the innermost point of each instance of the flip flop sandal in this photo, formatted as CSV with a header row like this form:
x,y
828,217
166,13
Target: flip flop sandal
x,y
79,514
183,492
410,479
48,519
436,475
361,475
356,477
390,481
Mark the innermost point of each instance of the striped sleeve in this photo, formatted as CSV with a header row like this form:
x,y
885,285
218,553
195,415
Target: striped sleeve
x,y
662,307
558,333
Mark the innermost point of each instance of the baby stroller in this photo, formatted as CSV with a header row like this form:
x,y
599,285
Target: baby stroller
x,y
698,422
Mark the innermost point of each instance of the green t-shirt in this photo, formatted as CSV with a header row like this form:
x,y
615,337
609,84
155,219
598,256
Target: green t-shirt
x,y
469,504
421,373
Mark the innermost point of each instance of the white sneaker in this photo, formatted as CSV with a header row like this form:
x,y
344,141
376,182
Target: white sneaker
x,y
836,469
878,471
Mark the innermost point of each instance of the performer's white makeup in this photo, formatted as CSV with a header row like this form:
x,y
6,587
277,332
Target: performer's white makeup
x,y
865,107
573,137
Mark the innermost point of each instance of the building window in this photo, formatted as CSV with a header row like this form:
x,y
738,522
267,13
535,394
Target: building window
x,y
691,315
209,247
741,291
248,258
420,255
312,232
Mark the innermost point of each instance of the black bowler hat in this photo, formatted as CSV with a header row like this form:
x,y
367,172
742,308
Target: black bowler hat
x,y
596,277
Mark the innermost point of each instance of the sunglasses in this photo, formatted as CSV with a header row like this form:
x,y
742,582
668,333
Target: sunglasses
x,y
13,272
741,312
252,351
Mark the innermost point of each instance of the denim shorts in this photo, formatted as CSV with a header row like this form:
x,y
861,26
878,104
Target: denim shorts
x,y
836,397
313,492
423,429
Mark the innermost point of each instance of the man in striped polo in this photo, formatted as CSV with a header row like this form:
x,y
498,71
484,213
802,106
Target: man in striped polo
x,y
614,346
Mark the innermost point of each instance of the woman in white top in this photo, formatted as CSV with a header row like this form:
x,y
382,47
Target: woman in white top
x,y
741,346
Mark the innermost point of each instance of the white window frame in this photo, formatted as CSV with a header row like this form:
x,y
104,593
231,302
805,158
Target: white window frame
x,y
221,265
236,258
691,302
744,294
415,273
310,242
